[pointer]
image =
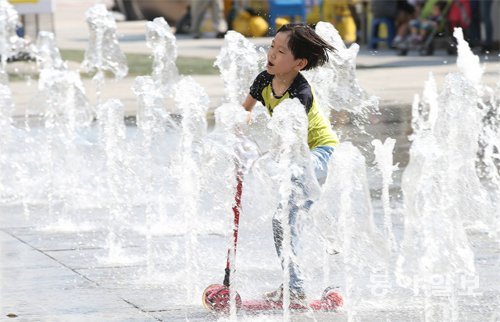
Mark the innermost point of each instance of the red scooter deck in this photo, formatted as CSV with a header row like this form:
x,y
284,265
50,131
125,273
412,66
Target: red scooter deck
x,y
216,298
264,305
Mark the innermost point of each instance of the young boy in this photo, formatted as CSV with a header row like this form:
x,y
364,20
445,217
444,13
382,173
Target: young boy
x,y
295,47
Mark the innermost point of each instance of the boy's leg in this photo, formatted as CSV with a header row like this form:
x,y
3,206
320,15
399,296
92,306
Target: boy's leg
x,y
320,157
296,281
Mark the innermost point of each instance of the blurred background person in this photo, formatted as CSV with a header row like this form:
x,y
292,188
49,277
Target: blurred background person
x,y
198,12
400,12
342,14
426,24
474,31
459,15
485,12
481,15
405,13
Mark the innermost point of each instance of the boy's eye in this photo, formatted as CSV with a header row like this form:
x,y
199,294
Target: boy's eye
x,y
281,51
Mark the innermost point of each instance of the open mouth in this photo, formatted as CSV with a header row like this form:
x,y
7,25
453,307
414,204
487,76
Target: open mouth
x,y
270,64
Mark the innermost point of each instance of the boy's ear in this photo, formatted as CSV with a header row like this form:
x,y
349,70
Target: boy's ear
x,y
302,62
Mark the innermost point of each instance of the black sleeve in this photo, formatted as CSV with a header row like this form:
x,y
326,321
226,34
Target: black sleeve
x,y
302,90
261,81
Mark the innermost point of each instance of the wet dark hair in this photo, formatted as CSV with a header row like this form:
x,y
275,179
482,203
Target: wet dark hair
x,y
305,43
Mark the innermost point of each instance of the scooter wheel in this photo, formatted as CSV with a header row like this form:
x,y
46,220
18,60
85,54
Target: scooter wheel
x,y
332,298
216,298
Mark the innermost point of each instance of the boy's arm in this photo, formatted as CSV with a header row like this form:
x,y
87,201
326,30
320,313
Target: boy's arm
x,y
249,103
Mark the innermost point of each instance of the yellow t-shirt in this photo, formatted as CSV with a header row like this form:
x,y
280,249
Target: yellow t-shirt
x,y
319,132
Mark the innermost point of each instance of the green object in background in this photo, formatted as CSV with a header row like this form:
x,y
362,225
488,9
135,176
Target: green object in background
x,y
196,66
140,64
427,10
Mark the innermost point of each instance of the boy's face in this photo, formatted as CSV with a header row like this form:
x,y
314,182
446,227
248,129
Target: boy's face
x,y
280,59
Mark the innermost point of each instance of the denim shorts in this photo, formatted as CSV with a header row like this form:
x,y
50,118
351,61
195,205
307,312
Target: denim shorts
x,y
320,157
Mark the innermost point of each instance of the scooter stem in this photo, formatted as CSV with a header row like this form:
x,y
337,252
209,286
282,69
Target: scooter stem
x,y
236,213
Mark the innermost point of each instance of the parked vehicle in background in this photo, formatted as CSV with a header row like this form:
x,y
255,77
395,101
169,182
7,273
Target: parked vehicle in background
x,y
171,10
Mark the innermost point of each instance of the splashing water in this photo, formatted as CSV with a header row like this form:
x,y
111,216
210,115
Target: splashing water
x,y
238,63
150,112
442,190
114,136
10,43
383,158
171,183
6,112
467,62
7,107
162,43
47,53
62,89
337,89
336,83
103,52
344,217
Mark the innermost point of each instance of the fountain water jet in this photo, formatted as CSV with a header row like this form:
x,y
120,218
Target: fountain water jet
x,y
190,97
162,43
103,52
383,158
442,190
238,62
10,43
65,112
336,84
